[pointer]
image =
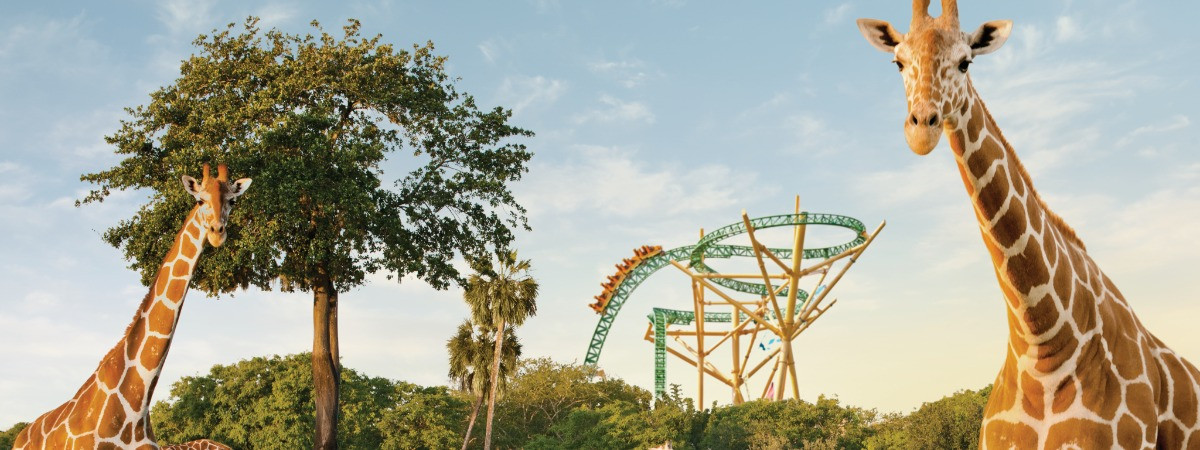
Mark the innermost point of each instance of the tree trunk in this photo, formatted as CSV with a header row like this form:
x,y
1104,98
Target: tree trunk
x,y
325,380
471,423
487,435
334,354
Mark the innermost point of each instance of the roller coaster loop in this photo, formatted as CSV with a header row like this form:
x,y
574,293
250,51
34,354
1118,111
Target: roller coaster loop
x,y
646,263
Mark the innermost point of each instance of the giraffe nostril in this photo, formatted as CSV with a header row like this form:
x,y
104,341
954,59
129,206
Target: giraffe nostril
x,y
913,119
933,120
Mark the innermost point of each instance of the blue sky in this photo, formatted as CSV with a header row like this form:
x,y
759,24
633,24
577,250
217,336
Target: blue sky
x,y
653,119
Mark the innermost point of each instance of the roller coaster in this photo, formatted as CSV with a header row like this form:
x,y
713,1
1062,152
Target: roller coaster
x,y
761,313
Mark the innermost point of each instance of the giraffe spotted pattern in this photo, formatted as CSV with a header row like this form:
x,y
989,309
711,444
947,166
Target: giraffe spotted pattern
x,y
1081,371
112,408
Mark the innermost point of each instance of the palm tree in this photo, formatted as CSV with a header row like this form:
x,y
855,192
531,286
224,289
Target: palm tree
x,y
502,298
471,362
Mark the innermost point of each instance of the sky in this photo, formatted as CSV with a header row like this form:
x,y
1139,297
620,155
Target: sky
x,y
653,119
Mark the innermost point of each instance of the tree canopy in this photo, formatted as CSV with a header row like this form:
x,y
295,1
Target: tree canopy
x,y
312,118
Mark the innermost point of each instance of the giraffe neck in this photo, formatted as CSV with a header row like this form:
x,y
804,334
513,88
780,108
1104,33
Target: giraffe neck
x,y
149,336
1034,253
1080,368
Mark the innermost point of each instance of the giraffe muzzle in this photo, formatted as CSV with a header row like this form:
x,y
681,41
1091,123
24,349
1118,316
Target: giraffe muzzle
x,y
923,129
216,236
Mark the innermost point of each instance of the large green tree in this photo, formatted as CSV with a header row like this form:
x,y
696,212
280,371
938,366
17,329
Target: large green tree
x,y
311,118
471,352
502,295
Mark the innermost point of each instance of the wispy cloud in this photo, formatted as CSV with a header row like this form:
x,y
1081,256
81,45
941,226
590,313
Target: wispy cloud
x,y
612,181
54,47
630,73
1067,30
184,17
276,14
1141,236
493,49
616,110
1047,101
837,14
1176,122
785,120
545,6
524,92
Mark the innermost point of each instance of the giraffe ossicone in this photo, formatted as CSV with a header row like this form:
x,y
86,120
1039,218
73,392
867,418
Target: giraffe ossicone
x,y
1081,371
112,408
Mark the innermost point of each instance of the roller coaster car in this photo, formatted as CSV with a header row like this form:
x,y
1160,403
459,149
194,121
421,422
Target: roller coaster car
x,y
626,266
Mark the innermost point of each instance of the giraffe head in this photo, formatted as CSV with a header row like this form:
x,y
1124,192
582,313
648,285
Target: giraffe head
x,y
214,199
933,58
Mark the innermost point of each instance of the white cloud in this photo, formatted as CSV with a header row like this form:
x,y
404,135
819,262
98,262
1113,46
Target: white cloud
x,y
837,14
185,16
1067,30
53,47
13,193
784,122
275,14
617,110
612,182
1047,103
524,92
1149,233
495,48
545,6
79,137
916,182
811,135
1176,122
629,73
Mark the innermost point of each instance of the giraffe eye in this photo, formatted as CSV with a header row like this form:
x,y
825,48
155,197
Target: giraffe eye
x,y
899,65
962,66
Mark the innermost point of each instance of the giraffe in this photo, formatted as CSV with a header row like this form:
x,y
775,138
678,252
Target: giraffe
x,y
1080,371
112,408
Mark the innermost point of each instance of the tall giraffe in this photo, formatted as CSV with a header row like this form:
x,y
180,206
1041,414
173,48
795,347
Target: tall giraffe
x,y
1081,371
112,409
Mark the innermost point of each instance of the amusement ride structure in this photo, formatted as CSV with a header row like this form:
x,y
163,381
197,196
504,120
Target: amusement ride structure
x,y
766,310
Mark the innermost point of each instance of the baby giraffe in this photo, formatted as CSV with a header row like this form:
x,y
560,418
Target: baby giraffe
x,y
1080,371
112,409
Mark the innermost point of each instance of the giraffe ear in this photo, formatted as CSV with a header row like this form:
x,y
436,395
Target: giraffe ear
x,y
880,34
238,187
192,186
990,36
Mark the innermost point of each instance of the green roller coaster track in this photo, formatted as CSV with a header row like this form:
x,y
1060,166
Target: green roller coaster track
x,y
661,318
709,247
